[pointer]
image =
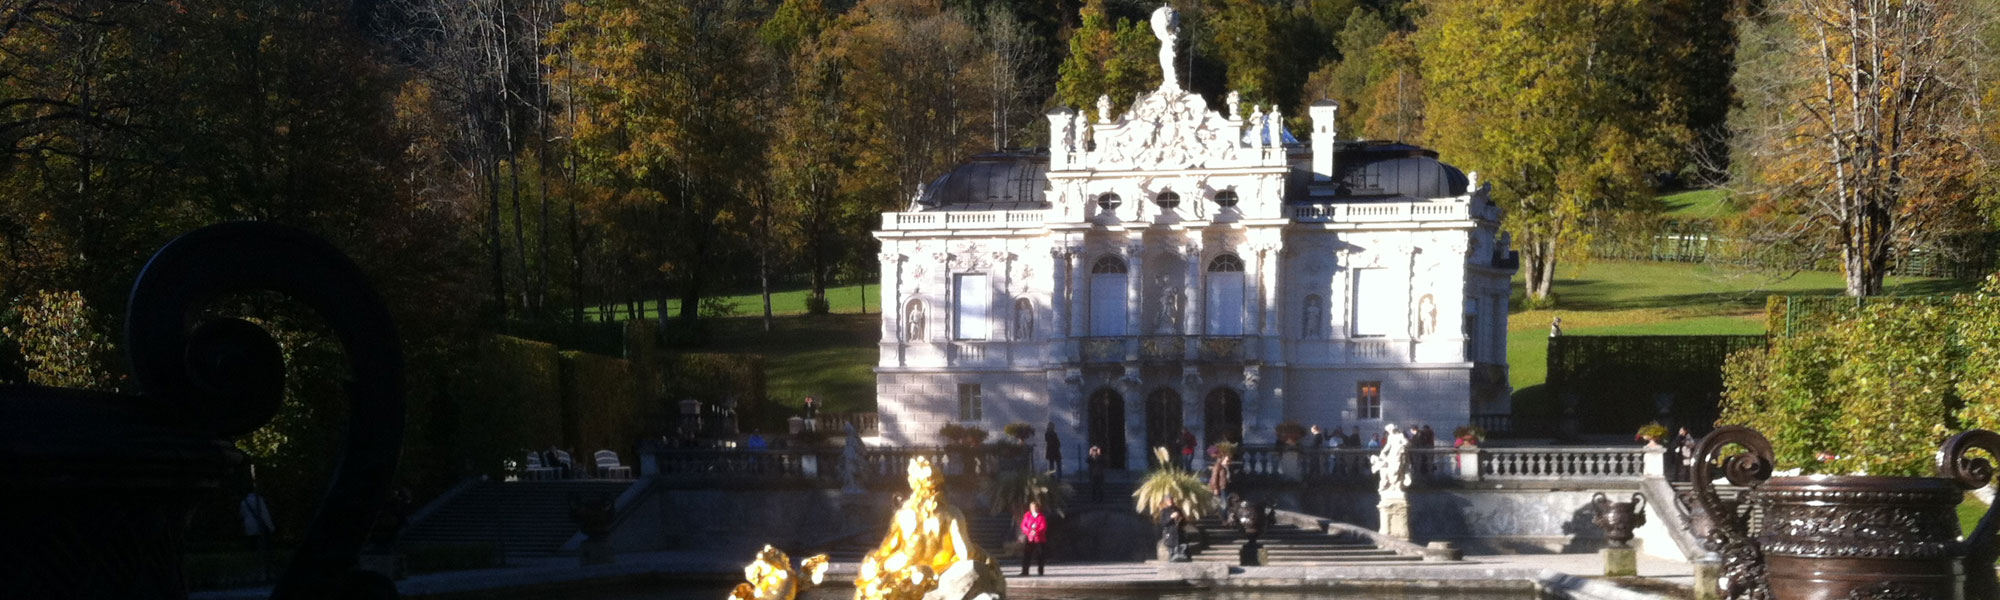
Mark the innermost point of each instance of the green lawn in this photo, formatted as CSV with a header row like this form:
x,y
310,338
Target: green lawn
x,y
1648,298
843,299
833,356
1704,204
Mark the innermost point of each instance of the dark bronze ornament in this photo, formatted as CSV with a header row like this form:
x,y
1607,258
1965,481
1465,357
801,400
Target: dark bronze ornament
x,y
1618,519
1828,537
99,486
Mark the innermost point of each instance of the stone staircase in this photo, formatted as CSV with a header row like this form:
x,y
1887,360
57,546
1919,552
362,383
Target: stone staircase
x,y
522,518
1289,545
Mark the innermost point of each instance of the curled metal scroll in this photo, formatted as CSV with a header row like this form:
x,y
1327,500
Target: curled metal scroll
x,y
227,375
1729,523
1972,473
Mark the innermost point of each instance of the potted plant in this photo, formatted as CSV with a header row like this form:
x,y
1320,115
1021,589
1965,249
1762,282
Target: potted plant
x,y
1170,485
1019,431
1468,435
1652,431
1289,432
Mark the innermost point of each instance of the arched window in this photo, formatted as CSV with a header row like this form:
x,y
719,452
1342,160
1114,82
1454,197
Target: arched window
x,y
1227,263
1107,296
1225,295
1167,200
1225,198
1108,264
1108,202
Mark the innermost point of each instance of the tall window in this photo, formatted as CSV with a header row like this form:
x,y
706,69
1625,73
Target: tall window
x,y
1367,399
974,301
1379,303
970,406
1225,295
1107,296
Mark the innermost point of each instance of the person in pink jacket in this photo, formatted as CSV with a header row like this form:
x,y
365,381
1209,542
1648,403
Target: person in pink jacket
x,y
1034,533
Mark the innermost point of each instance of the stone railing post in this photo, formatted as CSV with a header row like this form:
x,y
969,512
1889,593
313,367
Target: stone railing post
x,y
1656,461
1468,462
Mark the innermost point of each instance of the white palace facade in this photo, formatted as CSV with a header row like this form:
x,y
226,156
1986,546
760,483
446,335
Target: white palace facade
x,y
1177,266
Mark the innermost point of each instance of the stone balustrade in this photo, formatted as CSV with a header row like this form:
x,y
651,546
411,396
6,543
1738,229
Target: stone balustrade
x,y
883,465
1471,463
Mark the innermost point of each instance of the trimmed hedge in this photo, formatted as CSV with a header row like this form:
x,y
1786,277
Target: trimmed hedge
x,y
515,404
602,404
1615,378
716,377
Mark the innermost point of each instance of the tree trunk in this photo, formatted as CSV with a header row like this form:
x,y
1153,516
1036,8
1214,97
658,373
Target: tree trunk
x,y
1540,266
491,179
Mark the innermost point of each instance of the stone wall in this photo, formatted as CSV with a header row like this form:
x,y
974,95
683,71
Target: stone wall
x,y
741,521
1410,395
1525,520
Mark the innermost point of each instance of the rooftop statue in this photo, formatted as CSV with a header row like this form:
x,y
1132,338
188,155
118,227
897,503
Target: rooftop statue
x,y
1167,27
929,554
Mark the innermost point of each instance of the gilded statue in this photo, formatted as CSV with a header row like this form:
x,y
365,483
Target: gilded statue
x,y
772,577
928,552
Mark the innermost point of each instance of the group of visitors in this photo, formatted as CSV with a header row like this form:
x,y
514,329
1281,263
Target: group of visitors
x,y
1420,436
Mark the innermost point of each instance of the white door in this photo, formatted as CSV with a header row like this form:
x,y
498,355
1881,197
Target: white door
x,y
1225,303
1107,304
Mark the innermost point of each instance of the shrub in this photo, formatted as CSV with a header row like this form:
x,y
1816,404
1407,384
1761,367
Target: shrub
x,y
962,435
1019,431
1012,491
1169,482
817,305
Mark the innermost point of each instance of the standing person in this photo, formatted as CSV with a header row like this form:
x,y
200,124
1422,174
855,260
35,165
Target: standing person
x,y
257,526
1170,530
1218,475
1684,444
1034,533
1317,437
1353,437
1095,463
812,413
1430,436
1187,444
1053,449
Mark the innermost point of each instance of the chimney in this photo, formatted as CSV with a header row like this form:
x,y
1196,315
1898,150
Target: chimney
x,y
1323,113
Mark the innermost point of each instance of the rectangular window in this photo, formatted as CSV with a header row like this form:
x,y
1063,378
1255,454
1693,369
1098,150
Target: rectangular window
x,y
1368,399
1379,303
974,299
970,406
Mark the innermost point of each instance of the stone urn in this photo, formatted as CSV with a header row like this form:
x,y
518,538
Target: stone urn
x,y
1837,536
1618,519
100,487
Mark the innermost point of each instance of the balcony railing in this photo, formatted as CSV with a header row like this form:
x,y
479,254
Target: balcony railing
x,y
983,219
1104,349
1380,212
1162,347
1221,348
886,466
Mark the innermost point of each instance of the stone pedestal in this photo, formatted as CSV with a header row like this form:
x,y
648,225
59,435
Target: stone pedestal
x,y
1253,554
595,552
1394,509
1708,577
1621,562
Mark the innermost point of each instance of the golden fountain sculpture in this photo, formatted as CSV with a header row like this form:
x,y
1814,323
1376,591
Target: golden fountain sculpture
x,y
772,577
928,555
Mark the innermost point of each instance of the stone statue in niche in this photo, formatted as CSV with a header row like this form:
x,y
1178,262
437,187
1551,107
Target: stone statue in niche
x,y
1313,318
1168,321
1024,319
1427,316
913,321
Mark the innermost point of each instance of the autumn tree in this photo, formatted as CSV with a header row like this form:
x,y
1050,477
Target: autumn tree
x,y
668,130
1548,99
1859,126
1111,57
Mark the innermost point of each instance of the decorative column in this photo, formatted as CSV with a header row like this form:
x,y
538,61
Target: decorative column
x,y
892,309
1135,284
1192,321
1079,275
1060,292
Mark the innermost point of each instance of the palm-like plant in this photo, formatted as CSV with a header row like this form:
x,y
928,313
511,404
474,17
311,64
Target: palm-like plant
x,y
1169,482
1013,491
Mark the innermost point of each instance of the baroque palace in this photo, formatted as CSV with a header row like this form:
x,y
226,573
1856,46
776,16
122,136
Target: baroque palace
x,y
1178,267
